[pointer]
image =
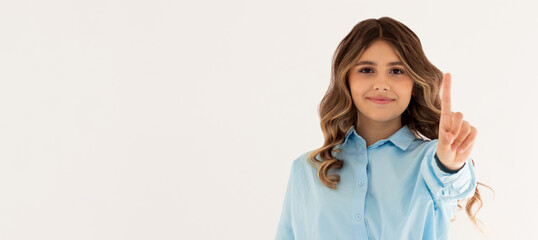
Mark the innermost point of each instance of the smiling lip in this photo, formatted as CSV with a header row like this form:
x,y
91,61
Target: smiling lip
x,y
381,100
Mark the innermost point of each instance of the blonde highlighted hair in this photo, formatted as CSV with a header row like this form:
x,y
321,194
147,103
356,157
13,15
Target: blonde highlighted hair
x,y
338,112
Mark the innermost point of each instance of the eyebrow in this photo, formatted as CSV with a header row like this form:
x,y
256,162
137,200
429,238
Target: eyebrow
x,y
373,63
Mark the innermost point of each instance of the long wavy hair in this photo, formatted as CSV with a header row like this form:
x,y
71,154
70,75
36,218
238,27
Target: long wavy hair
x,y
338,112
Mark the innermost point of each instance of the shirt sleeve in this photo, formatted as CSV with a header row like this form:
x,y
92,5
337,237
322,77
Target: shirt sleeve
x,y
447,187
285,230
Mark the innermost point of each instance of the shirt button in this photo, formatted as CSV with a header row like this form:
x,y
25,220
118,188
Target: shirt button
x,y
361,183
359,217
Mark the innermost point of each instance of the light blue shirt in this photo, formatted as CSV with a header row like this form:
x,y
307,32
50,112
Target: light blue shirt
x,y
391,190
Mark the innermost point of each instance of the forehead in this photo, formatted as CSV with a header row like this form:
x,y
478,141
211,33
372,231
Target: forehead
x,y
379,51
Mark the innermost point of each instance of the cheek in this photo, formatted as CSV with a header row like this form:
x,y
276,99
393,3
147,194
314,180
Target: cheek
x,y
406,87
356,89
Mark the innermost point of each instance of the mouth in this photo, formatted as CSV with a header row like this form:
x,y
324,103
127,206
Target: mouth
x,y
381,100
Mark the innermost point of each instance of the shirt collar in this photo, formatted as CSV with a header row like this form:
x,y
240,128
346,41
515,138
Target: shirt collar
x,y
401,138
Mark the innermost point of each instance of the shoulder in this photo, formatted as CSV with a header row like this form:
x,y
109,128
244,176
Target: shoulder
x,y
301,161
301,170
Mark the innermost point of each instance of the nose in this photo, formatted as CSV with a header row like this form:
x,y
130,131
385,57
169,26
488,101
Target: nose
x,y
381,84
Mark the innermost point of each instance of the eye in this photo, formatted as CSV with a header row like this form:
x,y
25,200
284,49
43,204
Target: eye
x,y
362,70
395,70
399,71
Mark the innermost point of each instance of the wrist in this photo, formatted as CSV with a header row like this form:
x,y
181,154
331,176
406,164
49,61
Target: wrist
x,y
448,169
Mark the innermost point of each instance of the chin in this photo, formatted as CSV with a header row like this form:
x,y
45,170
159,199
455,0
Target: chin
x,y
381,118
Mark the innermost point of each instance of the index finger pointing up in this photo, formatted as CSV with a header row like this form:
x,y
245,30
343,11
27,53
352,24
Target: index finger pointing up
x,y
446,112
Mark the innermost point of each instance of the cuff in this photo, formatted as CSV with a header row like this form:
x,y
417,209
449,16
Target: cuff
x,y
444,186
443,168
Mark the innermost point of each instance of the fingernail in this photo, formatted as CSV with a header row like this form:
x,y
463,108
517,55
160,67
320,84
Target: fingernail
x,y
447,138
460,150
454,147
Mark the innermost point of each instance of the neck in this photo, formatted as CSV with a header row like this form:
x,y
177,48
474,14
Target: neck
x,y
373,131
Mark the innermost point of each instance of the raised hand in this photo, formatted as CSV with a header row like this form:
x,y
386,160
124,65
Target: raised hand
x,y
456,136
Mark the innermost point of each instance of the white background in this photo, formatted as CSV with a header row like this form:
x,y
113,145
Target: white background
x,y
180,120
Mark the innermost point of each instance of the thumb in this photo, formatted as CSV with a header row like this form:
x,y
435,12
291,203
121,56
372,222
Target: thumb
x,y
446,138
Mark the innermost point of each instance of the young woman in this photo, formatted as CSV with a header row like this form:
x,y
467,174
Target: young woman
x,y
396,160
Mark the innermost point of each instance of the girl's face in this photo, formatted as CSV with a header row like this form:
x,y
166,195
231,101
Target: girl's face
x,y
379,73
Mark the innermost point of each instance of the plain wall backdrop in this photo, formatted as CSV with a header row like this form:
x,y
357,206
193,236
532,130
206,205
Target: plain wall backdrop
x,y
180,120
